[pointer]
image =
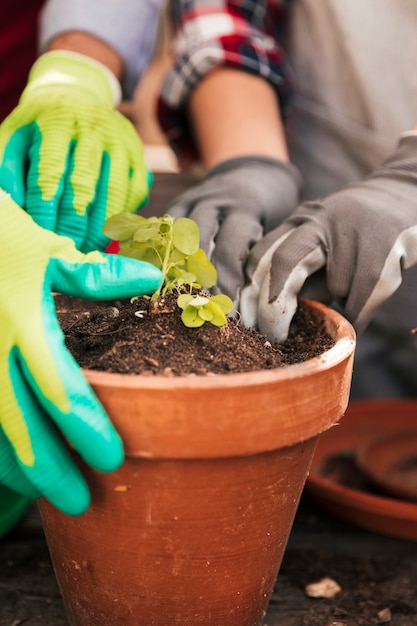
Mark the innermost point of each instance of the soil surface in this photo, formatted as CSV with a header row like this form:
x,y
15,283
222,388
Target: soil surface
x,y
149,338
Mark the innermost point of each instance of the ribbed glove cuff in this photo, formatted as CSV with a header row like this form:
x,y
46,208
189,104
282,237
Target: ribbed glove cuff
x,y
284,167
73,72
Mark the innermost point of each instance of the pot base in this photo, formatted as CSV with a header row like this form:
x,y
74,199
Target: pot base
x,y
183,543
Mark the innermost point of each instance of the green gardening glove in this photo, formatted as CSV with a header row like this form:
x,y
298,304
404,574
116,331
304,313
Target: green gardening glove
x,y
66,155
44,395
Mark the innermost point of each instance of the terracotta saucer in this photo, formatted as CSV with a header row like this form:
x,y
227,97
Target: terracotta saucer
x,y
390,462
337,484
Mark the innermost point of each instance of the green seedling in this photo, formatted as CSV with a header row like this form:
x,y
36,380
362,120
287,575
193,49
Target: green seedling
x,y
173,245
199,309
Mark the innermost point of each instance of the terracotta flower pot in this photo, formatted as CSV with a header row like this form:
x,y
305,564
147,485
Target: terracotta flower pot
x,y
193,527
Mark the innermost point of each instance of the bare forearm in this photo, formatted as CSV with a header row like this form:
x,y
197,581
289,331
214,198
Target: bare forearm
x,y
90,46
234,113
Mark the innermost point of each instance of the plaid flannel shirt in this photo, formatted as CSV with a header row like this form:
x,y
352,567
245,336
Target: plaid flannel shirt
x,y
245,34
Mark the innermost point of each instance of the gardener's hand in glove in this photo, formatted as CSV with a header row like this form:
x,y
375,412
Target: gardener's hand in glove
x,y
66,155
362,236
44,394
238,201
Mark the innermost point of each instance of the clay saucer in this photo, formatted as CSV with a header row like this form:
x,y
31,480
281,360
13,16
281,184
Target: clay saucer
x,y
340,488
390,462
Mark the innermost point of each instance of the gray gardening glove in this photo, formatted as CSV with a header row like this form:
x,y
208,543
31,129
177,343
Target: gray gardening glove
x,y
363,236
238,201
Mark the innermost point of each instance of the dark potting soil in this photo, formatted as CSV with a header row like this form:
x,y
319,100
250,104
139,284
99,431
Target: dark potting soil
x,y
149,338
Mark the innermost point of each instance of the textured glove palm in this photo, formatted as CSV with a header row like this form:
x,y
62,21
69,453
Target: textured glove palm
x,y
43,391
362,236
66,155
238,201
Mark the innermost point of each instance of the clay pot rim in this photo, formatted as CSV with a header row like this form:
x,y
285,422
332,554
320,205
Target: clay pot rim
x,y
260,411
337,325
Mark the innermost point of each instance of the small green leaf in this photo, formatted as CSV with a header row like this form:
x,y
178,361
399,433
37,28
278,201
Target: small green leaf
x,y
206,313
202,268
121,227
184,299
146,232
126,250
224,302
218,316
186,235
177,258
142,252
189,279
198,301
165,227
191,318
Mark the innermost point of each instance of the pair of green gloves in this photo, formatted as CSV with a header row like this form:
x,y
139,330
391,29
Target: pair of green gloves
x,y
68,161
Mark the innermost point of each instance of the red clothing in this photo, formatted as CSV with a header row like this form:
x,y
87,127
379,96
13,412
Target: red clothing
x,y
18,49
